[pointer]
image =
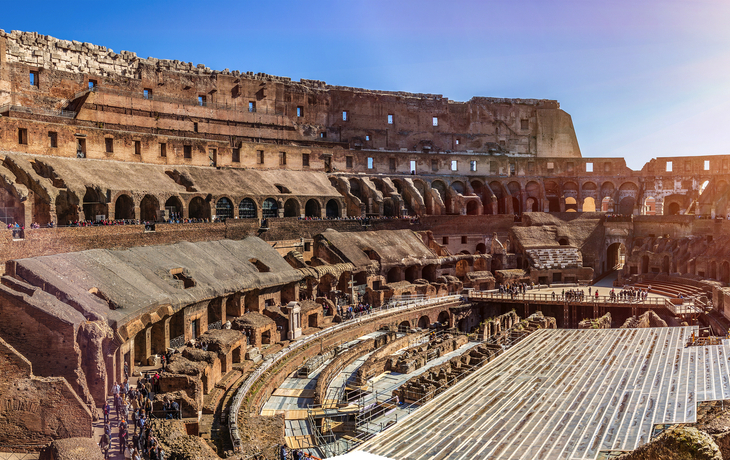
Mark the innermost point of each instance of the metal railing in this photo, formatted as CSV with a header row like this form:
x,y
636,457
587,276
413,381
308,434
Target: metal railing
x,y
216,325
38,111
558,298
272,360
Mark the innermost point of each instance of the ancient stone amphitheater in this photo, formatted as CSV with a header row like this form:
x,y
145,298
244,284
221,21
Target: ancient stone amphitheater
x,y
345,271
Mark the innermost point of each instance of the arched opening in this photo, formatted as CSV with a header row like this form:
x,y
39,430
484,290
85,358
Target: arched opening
x,y
472,208
12,209
571,205
67,210
607,204
445,319
224,209
429,273
589,204
563,242
626,205
713,269
404,326
124,208
312,208
173,206
725,272
270,208
458,187
198,209
481,248
93,206
644,264
412,273
424,322
148,208
291,208
552,194
649,206
531,205
247,209
615,256
394,275
499,194
516,206
332,209
41,209
672,209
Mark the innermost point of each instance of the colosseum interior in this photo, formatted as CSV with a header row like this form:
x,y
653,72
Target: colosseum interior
x,y
344,271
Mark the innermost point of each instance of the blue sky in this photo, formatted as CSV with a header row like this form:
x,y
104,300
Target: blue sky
x,y
641,79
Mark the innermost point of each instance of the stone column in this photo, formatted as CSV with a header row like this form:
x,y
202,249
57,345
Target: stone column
x,y
161,335
295,326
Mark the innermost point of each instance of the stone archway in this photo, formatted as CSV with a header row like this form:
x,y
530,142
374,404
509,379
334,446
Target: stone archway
x,y
124,208
148,208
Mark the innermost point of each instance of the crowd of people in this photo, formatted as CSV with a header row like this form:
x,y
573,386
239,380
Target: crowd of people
x,y
133,406
630,294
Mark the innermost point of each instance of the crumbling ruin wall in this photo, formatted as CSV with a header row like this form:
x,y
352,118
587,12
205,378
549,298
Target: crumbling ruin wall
x,y
604,322
72,449
177,444
377,363
36,410
417,357
677,443
646,319
434,381
45,330
336,365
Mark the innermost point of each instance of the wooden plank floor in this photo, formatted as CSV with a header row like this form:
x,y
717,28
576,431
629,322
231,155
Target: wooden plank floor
x,y
566,394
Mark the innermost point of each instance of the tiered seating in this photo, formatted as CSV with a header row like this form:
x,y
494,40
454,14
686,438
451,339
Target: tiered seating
x,y
671,289
546,259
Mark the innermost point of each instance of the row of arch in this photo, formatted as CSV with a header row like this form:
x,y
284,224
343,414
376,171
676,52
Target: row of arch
x,y
148,208
476,196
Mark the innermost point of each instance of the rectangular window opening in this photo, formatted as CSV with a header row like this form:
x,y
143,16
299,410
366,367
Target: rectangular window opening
x,y
305,160
147,93
367,137
137,147
195,127
454,165
435,121
22,136
260,157
300,111
109,144
163,149
92,84
348,162
525,124
445,240
251,106
187,151
33,77
457,141
323,135
390,119
202,100
344,115
282,158
473,165
370,162
434,165
463,240
413,166
391,164
669,166
589,167
707,165
236,155
53,139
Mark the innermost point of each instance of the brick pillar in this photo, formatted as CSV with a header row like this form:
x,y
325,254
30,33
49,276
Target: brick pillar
x,y
223,310
136,212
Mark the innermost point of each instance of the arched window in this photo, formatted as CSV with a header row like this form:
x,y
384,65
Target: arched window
x,y
224,208
269,208
247,209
